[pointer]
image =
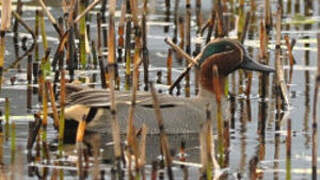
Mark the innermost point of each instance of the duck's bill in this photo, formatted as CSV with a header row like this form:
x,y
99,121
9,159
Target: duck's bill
x,y
250,64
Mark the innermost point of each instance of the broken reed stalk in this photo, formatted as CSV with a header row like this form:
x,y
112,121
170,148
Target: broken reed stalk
x,y
111,68
5,25
291,58
217,90
53,104
82,35
169,67
163,136
288,151
100,56
187,57
27,52
51,18
145,50
314,117
85,11
279,67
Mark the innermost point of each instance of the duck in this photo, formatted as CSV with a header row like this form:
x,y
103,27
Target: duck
x,y
181,115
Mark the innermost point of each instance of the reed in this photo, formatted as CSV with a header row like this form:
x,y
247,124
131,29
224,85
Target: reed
x,y
288,151
121,30
220,24
163,136
6,117
181,34
167,13
314,117
145,50
211,23
85,11
43,31
5,25
53,104
279,67
50,16
268,16
36,46
82,36
111,67
198,16
100,57
79,143
15,29
188,44
176,21
29,79
128,51
27,52
169,67
291,58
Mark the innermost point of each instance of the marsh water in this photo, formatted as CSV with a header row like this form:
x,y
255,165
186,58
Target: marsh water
x,y
267,153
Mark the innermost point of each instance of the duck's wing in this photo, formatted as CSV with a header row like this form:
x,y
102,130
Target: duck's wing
x,y
101,98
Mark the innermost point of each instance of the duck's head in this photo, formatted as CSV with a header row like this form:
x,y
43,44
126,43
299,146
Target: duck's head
x,y
228,55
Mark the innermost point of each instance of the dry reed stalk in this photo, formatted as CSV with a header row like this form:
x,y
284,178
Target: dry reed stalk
x,y
121,30
111,67
145,50
198,16
43,32
279,67
100,57
188,45
85,11
211,24
245,27
169,67
203,153
134,12
220,24
62,105
288,151
50,16
267,16
181,34
128,51
167,15
176,22
163,136
79,141
15,31
29,79
291,59
82,34
314,117
53,104
5,25
142,145
27,52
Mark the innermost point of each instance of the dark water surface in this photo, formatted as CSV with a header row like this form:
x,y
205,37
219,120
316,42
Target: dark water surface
x,y
246,145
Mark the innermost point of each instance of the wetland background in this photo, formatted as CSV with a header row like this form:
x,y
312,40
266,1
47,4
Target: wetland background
x,y
259,148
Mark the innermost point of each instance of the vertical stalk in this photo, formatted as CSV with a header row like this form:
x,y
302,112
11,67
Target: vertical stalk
x,y
188,44
82,35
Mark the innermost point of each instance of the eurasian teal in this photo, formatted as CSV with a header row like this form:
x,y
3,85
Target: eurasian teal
x,y
180,115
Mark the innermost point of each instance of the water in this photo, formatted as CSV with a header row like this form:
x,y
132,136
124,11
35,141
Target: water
x,y
246,144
